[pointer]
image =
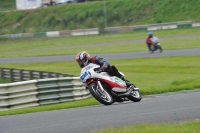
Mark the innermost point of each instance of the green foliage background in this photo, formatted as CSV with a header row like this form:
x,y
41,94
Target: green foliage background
x,y
91,15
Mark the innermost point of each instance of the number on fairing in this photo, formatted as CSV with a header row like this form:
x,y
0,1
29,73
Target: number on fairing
x,y
118,80
85,75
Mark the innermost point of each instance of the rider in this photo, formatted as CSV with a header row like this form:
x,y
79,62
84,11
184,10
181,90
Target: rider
x,y
83,59
153,41
148,40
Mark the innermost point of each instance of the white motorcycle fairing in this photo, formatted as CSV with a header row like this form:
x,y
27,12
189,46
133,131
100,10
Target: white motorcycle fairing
x,y
88,72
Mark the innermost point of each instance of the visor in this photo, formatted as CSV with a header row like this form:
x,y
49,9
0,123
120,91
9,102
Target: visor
x,y
82,63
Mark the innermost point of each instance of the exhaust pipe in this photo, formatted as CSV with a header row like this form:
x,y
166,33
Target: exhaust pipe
x,y
124,94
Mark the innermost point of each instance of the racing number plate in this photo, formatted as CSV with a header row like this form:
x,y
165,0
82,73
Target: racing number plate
x,y
85,75
119,81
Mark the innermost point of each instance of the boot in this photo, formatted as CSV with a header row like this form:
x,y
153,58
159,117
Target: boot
x,y
160,48
149,47
128,84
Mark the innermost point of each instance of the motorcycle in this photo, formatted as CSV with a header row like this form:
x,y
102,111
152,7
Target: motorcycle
x,y
156,45
107,89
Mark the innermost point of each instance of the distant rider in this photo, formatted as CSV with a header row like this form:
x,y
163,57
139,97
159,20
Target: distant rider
x,y
153,43
148,41
83,58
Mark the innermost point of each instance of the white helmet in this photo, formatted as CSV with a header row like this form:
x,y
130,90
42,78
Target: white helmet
x,y
82,58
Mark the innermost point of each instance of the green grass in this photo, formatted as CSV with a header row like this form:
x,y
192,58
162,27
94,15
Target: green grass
x,y
168,73
7,5
4,80
178,127
91,15
61,45
151,75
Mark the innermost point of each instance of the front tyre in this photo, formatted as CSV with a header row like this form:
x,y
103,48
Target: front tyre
x,y
135,96
102,96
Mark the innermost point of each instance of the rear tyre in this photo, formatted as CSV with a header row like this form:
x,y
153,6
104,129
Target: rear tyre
x,y
102,96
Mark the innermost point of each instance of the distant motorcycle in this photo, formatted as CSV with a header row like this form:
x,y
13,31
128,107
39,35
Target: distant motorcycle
x,y
156,45
107,89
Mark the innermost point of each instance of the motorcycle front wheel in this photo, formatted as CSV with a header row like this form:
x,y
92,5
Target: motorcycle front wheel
x,y
102,96
135,96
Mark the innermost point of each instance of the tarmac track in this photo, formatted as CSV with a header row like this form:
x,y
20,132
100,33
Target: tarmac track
x,y
165,53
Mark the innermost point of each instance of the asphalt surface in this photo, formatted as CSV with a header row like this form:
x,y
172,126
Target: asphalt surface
x,y
180,52
172,107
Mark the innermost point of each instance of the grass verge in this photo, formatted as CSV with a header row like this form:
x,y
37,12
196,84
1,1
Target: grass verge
x,y
178,127
91,15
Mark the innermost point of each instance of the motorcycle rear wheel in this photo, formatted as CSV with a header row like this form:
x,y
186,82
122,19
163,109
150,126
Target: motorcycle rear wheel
x,y
103,97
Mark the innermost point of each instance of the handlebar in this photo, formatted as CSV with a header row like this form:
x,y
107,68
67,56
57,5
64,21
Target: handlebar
x,y
98,70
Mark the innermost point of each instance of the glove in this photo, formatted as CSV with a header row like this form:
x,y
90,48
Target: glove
x,y
101,69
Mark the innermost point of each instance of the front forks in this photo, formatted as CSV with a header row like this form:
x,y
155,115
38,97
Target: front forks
x,y
100,86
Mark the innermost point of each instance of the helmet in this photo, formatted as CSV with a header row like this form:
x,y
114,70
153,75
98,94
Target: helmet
x,y
82,58
150,34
